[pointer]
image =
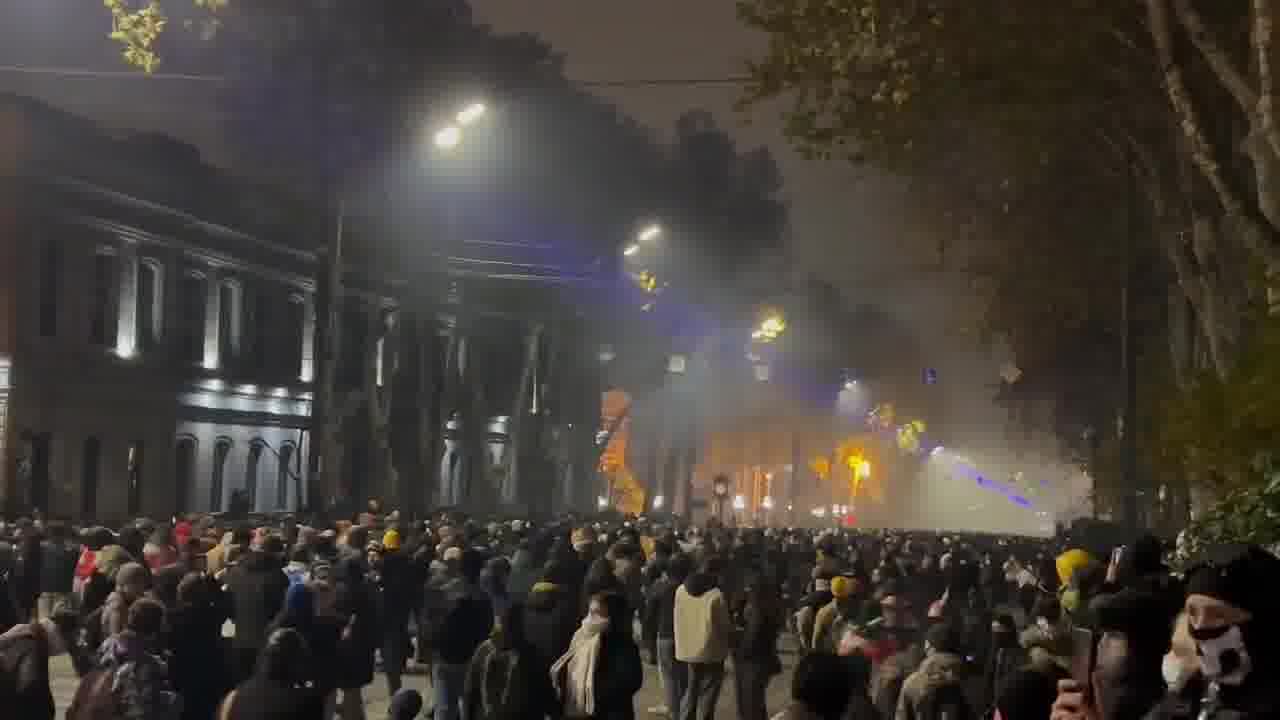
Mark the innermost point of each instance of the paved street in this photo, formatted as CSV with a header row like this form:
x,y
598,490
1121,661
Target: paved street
x,y
64,684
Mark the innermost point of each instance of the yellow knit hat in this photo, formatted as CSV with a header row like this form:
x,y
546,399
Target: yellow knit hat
x,y
843,586
1071,561
391,540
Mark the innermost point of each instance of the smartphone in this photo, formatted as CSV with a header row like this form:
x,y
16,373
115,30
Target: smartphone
x,y
1084,656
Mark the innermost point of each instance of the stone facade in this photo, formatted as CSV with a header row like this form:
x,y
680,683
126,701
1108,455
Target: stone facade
x,y
153,361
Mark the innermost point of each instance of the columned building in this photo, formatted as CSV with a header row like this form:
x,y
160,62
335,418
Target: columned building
x,y
156,355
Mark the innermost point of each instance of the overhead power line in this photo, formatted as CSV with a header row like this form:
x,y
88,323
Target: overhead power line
x,y
138,76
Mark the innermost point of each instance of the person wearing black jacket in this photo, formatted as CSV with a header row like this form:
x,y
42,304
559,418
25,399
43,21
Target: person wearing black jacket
x,y
257,586
660,632
755,660
401,581
193,636
57,571
460,626
277,690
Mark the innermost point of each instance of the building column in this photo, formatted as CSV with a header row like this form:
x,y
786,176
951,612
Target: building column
x,y
212,309
307,371
127,300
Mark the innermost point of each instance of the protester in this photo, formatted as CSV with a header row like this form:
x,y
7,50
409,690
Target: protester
x,y
25,650
659,631
703,630
505,679
819,689
601,673
755,659
257,586
130,673
277,689
462,620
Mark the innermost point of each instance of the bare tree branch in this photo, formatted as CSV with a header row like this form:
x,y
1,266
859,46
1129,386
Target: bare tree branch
x,y
1216,56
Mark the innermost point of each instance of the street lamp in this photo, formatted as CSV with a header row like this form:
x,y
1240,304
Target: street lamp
x,y
602,502
631,249
448,137
720,488
471,113
650,232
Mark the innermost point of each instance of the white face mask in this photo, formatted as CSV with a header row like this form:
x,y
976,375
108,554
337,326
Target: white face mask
x,y
1171,669
594,625
1223,656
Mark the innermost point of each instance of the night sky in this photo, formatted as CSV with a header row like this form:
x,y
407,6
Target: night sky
x,y
855,228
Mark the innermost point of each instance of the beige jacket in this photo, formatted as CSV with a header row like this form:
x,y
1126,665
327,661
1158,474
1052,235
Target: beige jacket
x,y
703,628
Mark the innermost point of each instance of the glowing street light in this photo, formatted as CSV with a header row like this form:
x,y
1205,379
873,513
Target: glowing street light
x,y
659,501
739,503
770,328
631,249
448,137
602,502
767,502
471,113
650,232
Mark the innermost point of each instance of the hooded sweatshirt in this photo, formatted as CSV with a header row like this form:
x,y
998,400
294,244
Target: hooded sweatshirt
x,y
702,624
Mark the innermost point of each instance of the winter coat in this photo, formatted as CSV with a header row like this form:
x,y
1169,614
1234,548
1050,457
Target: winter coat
x,y
507,683
1028,693
938,671
257,586
1259,698
702,625
115,612
550,619
260,699
658,619
197,664
461,618
58,567
140,679
758,642
401,584
24,672
362,634
619,675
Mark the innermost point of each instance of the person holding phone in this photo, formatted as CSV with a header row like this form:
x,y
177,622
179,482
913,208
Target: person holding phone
x,y
1115,670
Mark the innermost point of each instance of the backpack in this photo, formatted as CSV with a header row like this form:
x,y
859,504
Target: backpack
x,y
945,702
95,697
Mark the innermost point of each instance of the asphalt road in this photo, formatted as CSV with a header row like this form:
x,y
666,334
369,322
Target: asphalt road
x,y
63,680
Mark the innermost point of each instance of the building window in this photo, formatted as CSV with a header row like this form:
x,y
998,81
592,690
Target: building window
x,y
284,472
221,449
135,477
90,462
150,310
294,330
251,473
184,470
193,298
103,315
258,312
50,274
354,341
230,311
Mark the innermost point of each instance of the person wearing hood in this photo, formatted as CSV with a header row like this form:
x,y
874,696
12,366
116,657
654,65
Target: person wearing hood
x,y
600,579
257,586
400,583
1232,621
462,620
493,580
59,557
524,572
755,659
130,674
320,632
806,616
1004,658
505,679
278,689
550,615
703,632
193,632
938,681
25,650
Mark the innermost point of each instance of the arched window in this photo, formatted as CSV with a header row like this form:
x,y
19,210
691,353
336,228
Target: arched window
x,y
251,473
221,449
90,465
135,477
184,471
150,310
193,298
284,475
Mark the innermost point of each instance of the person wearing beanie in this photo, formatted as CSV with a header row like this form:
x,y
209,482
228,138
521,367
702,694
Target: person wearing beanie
x,y
831,619
1003,659
132,582
1134,635
401,582
391,539
140,684
257,586
1232,619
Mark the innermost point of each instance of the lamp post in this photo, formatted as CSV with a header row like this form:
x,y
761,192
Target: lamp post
x,y
720,488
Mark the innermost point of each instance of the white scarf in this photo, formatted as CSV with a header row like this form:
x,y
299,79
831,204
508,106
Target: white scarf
x,y
576,686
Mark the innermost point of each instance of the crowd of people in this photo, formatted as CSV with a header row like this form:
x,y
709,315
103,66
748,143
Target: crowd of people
x,y
205,618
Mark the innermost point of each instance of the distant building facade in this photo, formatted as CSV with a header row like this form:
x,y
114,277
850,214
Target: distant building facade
x,y
152,360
